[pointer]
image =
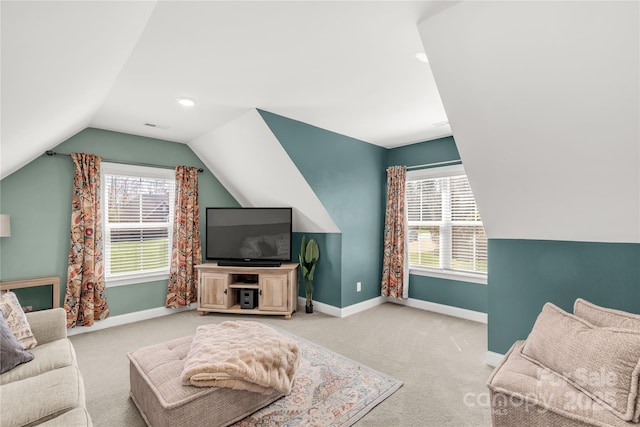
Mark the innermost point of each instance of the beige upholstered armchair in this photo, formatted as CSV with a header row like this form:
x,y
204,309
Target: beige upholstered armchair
x,y
580,369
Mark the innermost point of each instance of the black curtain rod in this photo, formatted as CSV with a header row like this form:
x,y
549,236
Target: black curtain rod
x,y
53,153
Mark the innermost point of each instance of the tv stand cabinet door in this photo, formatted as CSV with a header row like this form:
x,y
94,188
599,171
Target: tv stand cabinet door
x,y
214,290
273,292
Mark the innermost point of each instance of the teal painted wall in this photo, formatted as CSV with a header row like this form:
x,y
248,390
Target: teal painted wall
x,y
456,293
327,277
421,153
471,296
524,274
348,177
38,198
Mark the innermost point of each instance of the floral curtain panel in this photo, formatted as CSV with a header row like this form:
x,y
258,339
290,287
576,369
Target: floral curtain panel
x,y
395,267
85,299
186,252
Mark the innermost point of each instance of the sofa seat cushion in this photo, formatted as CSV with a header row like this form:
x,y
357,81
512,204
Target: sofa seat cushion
x,y
519,384
77,417
35,400
49,356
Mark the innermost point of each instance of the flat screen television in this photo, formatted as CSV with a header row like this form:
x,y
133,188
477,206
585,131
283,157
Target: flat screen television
x,y
249,236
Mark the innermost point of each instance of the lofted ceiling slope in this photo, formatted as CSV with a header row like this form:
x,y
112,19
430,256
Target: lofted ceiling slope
x,y
348,67
544,98
59,62
242,169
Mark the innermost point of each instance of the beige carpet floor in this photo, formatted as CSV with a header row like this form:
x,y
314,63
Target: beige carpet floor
x,y
438,358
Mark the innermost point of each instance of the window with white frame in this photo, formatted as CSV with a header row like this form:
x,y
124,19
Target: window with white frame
x,y
445,233
137,217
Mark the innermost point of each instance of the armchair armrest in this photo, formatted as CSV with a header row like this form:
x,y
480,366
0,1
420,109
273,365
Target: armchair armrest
x,y
48,325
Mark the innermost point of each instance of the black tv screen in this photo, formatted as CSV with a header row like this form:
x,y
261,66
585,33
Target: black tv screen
x,y
248,234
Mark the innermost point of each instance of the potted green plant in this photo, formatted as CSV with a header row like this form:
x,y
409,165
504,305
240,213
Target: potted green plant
x,y
309,255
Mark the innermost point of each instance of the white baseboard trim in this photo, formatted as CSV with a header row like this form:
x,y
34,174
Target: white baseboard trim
x,y
448,310
362,306
476,316
341,312
493,359
331,310
123,319
319,307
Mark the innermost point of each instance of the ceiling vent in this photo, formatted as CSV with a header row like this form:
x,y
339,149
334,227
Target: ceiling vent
x,y
153,125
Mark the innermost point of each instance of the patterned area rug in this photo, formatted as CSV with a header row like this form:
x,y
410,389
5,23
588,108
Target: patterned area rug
x,y
329,390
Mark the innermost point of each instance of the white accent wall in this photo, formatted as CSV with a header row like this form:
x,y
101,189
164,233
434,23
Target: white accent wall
x,y
250,162
543,101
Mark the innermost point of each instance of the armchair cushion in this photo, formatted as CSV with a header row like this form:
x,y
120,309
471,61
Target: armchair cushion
x,y
524,394
606,317
603,363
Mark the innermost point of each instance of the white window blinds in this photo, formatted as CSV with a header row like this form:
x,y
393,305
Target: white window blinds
x,y
138,216
445,228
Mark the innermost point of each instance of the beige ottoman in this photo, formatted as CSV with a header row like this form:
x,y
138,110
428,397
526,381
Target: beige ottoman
x,y
163,401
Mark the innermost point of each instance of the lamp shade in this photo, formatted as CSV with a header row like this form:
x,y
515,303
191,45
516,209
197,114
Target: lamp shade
x,y
5,225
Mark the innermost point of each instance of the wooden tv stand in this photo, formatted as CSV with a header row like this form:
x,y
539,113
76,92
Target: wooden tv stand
x,y
225,289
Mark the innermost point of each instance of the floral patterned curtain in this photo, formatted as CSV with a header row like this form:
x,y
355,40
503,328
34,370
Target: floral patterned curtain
x,y
86,299
395,275
186,251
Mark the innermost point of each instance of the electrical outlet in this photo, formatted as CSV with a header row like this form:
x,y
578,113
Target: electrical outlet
x,y
358,286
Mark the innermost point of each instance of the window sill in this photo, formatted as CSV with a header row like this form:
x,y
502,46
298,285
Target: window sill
x,y
112,282
443,274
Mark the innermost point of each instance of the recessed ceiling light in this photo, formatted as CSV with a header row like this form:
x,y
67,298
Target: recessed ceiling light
x,y
186,102
421,56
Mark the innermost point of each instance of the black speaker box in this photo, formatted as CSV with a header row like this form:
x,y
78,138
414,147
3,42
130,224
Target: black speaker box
x,y
248,298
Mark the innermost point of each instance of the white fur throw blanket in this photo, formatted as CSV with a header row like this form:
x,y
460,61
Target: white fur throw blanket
x,y
242,355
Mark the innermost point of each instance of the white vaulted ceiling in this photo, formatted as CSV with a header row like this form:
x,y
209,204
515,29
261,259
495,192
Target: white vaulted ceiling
x,y
60,60
544,98
348,67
